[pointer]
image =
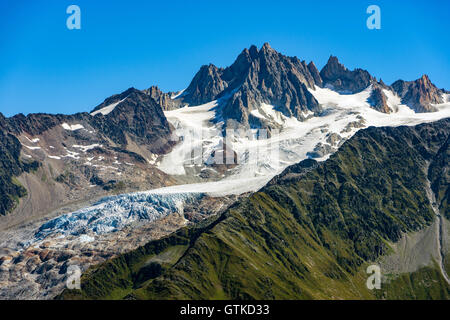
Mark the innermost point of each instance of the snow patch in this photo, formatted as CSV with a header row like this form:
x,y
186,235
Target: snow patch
x,y
178,95
85,239
32,148
108,109
73,127
87,148
35,140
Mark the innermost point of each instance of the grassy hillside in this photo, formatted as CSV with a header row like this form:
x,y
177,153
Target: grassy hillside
x,y
426,283
309,234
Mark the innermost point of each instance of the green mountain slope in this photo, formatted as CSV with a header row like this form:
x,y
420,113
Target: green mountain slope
x,y
309,234
10,167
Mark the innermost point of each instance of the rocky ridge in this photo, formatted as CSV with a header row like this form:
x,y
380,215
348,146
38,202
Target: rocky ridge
x,y
419,95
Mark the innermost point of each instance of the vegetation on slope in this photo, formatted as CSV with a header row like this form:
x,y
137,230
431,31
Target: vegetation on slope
x,y
426,283
11,166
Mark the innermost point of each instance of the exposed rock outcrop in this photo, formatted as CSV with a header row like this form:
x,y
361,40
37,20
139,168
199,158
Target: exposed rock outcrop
x,y
138,117
419,95
378,100
338,77
162,98
206,85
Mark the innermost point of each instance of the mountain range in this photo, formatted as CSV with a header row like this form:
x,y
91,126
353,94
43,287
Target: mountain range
x,y
350,169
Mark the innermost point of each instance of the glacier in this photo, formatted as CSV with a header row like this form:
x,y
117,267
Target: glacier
x,y
113,213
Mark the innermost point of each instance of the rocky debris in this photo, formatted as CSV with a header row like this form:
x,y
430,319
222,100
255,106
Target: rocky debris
x,y
220,161
39,271
334,139
378,100
339,78
354,125
320,150
419,95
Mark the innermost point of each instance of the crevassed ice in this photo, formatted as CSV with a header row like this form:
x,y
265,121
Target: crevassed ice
x,y
114,213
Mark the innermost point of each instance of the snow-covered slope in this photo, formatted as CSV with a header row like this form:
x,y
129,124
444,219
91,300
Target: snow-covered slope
x,y
343,115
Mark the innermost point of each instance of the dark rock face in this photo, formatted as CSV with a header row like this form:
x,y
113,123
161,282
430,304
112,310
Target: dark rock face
x,y
256,77
206,85
320,150
378,100
315,74
11,165
337,76
114,99
34,123
276,80
418,94
139,117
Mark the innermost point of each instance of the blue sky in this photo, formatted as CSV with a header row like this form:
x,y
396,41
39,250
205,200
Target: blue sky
x,y
44,67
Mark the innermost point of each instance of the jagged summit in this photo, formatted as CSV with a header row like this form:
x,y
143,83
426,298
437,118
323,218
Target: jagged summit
x,y
315,74
258,76
114,99
336,76
419,94
164,99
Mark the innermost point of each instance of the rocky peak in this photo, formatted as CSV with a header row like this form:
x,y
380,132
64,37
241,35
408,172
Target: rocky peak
x,y
162,98
419,95
256,77
138,117
253,51
154,92
333,68
267,50
315,74
338,77
205,85
424,80
114,99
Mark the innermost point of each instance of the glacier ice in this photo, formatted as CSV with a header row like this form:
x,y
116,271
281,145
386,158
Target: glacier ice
x,y
113,213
